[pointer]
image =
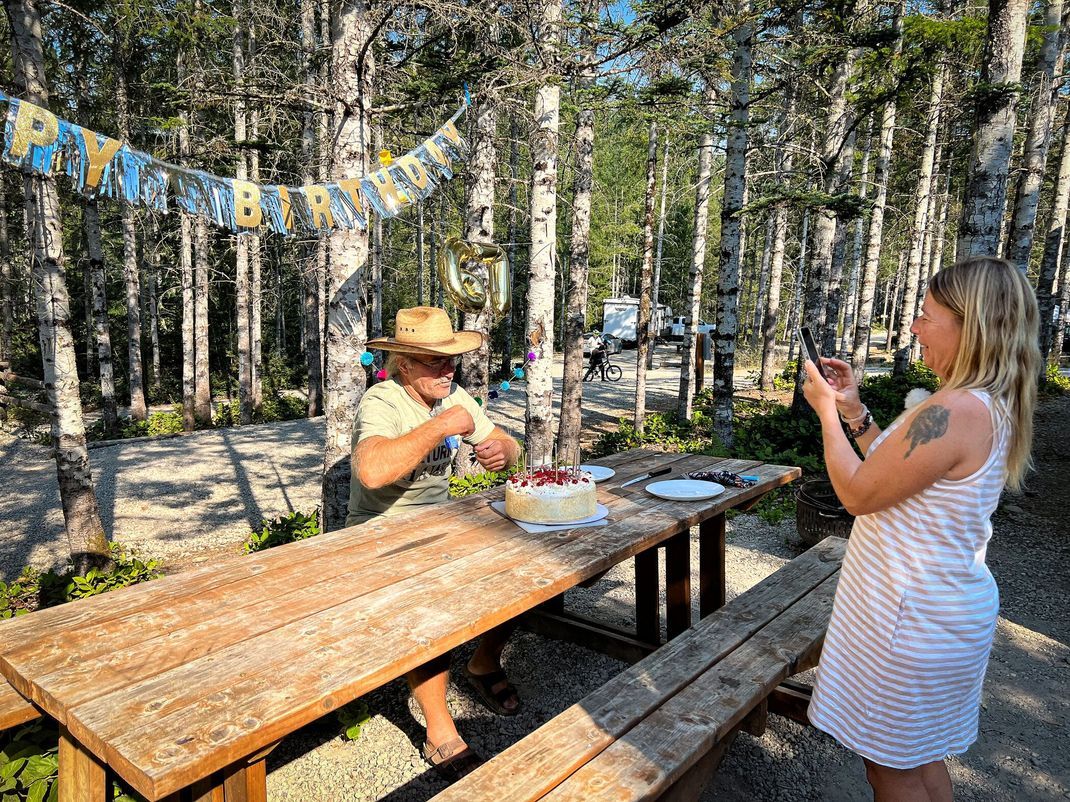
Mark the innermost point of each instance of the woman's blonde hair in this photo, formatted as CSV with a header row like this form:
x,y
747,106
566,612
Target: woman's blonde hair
x,y
998,349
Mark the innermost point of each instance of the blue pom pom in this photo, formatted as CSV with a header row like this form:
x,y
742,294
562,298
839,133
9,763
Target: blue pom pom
x,y
518,373
366,358
504,387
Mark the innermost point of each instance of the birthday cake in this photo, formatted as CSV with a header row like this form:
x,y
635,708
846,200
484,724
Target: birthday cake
x,y
550,495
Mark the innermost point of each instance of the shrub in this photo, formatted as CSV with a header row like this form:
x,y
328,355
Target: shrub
x,y
461,486
1053,383
284,529
884,394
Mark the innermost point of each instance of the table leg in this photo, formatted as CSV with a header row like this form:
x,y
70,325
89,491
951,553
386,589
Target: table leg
x,y
711,583
210,789
647,597
678,583
246,783
81,775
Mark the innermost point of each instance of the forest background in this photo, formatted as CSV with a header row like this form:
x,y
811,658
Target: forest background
x,y
754,166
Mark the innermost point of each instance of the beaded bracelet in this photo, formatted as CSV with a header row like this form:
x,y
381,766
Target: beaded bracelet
x,y
867,421
851,422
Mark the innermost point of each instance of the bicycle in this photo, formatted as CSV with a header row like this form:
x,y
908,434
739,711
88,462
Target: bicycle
x,y
609,371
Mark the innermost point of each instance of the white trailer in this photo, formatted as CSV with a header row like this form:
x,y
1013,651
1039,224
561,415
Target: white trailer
x,y
620,317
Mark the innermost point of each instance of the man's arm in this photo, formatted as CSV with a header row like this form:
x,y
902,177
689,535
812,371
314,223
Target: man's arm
x,y
380,461
497,451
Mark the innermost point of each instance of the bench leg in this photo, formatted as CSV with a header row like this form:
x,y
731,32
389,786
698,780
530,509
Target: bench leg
x,y
678,583
82,777
791,699
647,598
246,783
210,789
711,540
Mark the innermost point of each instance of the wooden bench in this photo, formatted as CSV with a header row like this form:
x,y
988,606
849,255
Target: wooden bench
x,y
660,729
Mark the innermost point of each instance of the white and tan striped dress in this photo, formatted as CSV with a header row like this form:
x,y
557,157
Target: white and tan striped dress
x,y
913,620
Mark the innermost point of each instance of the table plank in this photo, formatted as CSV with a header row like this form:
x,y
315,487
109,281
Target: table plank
x,y
217,709
532,767
660,749
14,709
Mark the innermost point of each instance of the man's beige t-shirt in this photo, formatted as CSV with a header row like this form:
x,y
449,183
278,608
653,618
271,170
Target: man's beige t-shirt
x,y
387,410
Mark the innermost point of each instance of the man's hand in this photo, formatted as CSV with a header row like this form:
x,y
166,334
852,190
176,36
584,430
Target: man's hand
x,y
456,420
491,454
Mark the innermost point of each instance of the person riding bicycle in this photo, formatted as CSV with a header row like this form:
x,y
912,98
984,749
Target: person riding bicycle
x,y
598,357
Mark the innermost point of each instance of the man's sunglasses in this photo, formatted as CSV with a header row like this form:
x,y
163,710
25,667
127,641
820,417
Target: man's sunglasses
x,y
437,365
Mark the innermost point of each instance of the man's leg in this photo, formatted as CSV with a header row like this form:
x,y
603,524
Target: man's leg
x,y
487,658
429,683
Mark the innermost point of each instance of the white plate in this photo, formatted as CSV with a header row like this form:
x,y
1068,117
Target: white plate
x,y
600,512
685,489
598,472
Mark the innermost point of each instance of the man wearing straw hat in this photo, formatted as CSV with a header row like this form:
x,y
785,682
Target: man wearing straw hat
x,y
405,437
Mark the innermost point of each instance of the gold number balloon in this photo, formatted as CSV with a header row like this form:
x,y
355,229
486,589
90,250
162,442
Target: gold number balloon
x,y
468,290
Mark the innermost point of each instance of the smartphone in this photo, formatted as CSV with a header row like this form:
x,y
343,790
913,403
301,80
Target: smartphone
x,y
807,340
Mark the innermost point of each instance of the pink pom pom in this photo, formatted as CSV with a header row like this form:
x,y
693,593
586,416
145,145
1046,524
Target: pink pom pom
x,y
380,375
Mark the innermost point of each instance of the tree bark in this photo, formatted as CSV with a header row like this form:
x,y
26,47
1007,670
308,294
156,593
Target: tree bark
x,y
1055,247
153,260
568,431
655,301
311,274
851,303
514,180
479,227
993,130
101,326
868,281
1038,137
85,531
242,285
731,249
256,293
354,74
540,312
135,375
7,283
698,256
912,280
643,340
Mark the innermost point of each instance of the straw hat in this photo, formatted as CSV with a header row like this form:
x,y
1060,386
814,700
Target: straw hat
x,y
427,330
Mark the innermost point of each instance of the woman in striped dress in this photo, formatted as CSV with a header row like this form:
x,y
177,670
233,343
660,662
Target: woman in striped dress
x,y
915,610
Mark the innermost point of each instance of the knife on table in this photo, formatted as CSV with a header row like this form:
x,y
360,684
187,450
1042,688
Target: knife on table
x,y
645,476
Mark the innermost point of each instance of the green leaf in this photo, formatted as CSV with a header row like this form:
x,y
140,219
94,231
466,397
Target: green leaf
x,y
38,791
39,767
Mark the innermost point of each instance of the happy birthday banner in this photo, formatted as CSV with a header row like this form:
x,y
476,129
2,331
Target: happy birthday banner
x,y
36,139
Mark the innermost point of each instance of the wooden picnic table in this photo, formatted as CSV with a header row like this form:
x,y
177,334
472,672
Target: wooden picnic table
x,y
190,679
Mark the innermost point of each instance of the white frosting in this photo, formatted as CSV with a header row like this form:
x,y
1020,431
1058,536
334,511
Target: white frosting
x,y
544,496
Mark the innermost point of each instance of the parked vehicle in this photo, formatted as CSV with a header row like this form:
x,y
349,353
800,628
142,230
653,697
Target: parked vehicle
x,y
675,330
620,317
613,344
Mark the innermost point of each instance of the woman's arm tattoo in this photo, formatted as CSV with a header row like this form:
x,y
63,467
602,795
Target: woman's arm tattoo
x,y
928,425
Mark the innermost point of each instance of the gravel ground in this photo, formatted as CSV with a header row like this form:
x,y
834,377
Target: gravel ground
x,y
188,499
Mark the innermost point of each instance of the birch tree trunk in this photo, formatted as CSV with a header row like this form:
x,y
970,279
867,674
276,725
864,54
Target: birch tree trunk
x,y
185,262
851,303
731,250
1038,138
758,310
514,180
135,376
568,431
354,76
912,279
85,531
242,289
659,245
256,293
868,281
845,170
375,305
1055,248
643,343
698,257
101,326
993,132
153,260
784,162
479,227
311,274
202,408
7,281
540,313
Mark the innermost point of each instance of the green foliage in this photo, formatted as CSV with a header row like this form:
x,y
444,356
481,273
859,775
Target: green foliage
x,y
158,423
785,380
1053,384
26,420
34,589
273,407
884,394
663,430
353,717
29,763
461,486
284,529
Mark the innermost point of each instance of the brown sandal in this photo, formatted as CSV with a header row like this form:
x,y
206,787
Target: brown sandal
x,y
451,760
483,684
